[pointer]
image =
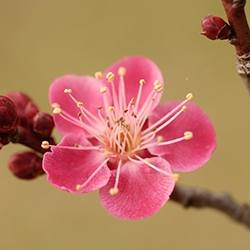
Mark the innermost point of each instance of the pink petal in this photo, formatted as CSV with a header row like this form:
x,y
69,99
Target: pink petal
x,y
142,190
67,168
85,89
137,68
187,155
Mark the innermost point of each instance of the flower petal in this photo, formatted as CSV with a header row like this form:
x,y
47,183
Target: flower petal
x,y
67,168
84,88
142,190
190,154
137,68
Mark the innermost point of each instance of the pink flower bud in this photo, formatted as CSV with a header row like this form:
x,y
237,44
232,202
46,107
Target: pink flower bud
x,y
214,27
26,108
8,115
43,123
26,165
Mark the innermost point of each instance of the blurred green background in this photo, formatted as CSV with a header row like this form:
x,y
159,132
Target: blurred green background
x,y
41,40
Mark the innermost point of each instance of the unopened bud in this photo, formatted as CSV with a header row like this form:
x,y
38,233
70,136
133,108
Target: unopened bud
x,y
214,27
26,165
43,124
8,115
26,108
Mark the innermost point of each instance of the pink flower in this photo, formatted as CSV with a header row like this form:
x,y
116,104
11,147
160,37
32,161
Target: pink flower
x,y
117,138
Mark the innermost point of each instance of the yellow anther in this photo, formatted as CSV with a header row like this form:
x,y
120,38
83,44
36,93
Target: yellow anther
x,y
184,108
189,96
57,111
159,139
122,71
103,89
142,82
98,75
55,105
68,91
79,104
188,135
45,145
113,191
111,108
78,187
158,87
157,82
176,177
110,76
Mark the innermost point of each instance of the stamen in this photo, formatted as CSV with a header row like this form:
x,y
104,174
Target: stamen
x,y
186,136
122,71
80,186
168,121
100,108
153,126
158,86
98,75
121,89
67,91
103,89
189,96
57,111
110,77
92,130
115,190
92,119
159,139
141,83
45,145
146,108
153,166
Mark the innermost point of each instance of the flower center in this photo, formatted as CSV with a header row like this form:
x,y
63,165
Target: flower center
x,y
121,137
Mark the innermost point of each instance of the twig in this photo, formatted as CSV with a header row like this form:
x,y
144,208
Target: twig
x,y
235,11
223,202
30,139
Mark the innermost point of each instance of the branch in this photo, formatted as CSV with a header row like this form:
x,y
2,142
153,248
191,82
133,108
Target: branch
x,y
223,202
237,32
235,11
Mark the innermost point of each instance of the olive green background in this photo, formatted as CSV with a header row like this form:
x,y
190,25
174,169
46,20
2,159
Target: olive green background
x,y
41,40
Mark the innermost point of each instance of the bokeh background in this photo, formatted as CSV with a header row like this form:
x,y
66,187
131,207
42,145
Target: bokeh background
x,y
41,40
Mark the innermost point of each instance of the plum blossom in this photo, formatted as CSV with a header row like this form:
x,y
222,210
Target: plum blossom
x,y
119,140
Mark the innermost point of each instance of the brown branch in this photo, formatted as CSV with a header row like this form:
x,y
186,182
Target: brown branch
x,y
223,202
235,11
30,139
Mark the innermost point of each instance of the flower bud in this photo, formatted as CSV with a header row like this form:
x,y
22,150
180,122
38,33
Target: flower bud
x,y
8,115
43,124
26,165
214,27
26,108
